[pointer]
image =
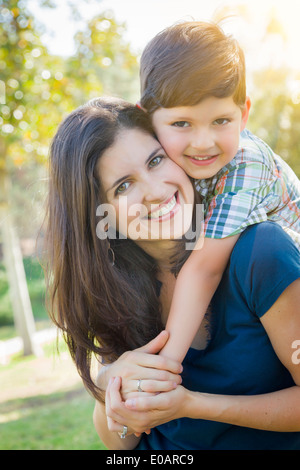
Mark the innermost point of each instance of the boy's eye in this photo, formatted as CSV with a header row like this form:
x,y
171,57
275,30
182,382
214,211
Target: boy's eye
x,y
180,124
155,161
122,187
221,121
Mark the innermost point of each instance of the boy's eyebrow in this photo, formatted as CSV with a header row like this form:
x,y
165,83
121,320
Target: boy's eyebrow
x,y
186,117
119,180
225,114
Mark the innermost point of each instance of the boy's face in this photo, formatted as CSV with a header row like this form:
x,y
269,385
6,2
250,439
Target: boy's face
x,y
201,138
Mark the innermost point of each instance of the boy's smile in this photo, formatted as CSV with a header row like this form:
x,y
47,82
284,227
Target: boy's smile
x,y
202,138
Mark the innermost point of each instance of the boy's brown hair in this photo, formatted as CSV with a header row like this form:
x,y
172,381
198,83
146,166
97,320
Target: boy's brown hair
x,y
188,62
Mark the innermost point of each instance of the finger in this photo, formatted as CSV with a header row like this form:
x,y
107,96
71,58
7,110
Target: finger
x,y
113,400
126,396
113,426
159,402
138,434
156,386
152,361
114,394
147,373
153,384
116,421
156,344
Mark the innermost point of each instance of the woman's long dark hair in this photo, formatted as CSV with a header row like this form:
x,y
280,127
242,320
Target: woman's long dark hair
x,y
100,308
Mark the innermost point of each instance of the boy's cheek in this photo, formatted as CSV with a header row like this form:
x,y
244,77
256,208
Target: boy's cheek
x,y
171,144
174,154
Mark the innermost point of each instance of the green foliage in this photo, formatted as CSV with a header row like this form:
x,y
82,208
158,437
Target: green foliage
x,y
40,89
104,62
21,64
275,113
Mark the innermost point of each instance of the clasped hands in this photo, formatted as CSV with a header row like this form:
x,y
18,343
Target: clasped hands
x,y
161,398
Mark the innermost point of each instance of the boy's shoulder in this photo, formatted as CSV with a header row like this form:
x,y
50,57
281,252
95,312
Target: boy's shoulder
x,y
252,148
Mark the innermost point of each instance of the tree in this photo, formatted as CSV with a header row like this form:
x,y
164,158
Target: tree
x,y
36,91
103,62
20,46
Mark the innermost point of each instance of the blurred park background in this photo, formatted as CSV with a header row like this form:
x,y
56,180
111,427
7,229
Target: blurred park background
x,y
54,56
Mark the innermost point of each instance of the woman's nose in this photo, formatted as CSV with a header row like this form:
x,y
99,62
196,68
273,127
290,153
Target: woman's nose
x,y
154,192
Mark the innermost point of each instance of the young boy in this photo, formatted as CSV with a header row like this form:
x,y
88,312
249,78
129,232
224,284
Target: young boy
x,y
193,86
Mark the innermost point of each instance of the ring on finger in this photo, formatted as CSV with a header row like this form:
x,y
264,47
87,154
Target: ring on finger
x,y
139,386
123,434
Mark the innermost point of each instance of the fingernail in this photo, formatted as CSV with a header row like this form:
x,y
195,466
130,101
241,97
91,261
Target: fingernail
x,y
174,384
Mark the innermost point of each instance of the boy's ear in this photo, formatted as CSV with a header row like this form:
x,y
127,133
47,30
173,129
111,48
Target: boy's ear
x,y
138,105
245,113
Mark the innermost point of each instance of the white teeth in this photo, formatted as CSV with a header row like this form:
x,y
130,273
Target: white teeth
x,y
164,210
202,158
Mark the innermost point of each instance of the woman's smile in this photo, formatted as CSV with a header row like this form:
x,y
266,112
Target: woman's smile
x,y
166,210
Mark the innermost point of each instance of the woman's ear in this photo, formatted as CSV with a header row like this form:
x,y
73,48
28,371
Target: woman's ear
x,y
245,113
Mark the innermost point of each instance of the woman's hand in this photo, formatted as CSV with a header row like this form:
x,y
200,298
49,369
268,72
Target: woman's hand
x,y
157,373
143,413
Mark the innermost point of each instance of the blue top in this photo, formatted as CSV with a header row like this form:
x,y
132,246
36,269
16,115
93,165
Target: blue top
x,y
239,358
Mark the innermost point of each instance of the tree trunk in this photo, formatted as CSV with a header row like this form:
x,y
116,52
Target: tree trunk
x,y
22,311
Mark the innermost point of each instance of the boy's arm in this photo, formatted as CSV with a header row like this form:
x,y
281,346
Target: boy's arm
x,y
195,286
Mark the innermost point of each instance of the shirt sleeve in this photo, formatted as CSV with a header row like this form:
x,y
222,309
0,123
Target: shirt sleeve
x,y
265,262
243,196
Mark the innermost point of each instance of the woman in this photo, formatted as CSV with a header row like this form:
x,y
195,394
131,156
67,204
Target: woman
x,y
112,295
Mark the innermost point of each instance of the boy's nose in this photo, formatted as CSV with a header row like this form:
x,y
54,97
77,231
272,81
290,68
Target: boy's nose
x,y
202,141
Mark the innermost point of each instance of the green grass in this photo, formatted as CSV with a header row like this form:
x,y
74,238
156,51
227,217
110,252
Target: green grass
x,y
59,421
44,406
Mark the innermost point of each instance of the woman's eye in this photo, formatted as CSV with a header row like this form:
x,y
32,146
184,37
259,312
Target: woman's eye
x,y
221,121
155,161
120,189
180,124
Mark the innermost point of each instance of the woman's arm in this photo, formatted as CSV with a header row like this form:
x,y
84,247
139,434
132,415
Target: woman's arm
x,y
276,411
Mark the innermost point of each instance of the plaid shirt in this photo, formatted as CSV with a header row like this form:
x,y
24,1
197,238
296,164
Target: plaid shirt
x,y
257,185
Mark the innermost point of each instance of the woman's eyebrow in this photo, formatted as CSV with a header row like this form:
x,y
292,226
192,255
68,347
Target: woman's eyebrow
x,y
119,180
152,154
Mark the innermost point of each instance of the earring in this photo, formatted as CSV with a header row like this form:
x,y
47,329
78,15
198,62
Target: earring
x,y
111,254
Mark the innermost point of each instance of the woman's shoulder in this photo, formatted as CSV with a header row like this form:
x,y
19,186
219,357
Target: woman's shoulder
x,y
263,263
263,241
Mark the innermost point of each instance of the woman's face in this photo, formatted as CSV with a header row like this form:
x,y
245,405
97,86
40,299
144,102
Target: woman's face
x,y
151,196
